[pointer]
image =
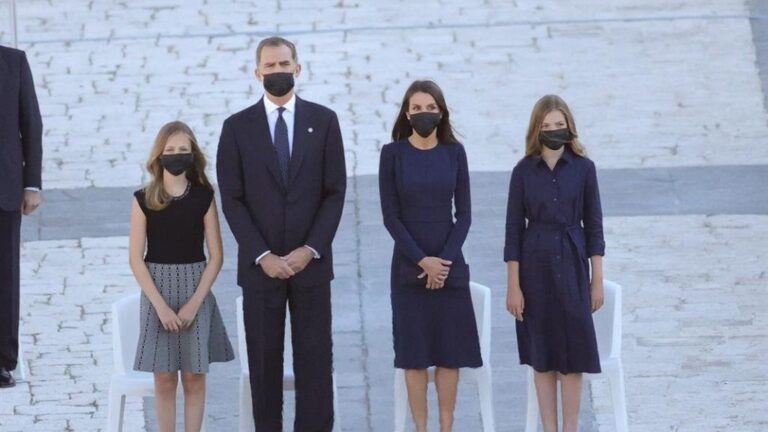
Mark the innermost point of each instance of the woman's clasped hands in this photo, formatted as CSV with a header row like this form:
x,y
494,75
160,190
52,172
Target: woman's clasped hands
x,y
436,271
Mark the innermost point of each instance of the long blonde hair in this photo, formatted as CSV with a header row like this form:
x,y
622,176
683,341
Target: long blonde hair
x,y
155,194
544,106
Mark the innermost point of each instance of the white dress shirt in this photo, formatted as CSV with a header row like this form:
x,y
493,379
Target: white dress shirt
x,y
288,115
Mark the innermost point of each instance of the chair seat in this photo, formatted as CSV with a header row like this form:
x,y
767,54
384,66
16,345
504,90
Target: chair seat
x,y
289,381
133,383
464,373
607,365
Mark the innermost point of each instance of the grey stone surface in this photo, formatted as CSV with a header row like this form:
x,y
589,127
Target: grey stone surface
x,y
110,73
686,110
759,21
362,317
102,212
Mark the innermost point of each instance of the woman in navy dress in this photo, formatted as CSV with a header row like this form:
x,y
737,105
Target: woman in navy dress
x,y
550,290
423,174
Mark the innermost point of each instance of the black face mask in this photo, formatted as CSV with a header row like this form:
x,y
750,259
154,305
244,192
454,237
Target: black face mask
x,y
555,139
278,83
177,163
425,122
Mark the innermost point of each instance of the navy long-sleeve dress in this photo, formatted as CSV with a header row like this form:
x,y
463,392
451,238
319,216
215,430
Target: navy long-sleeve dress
x,y
419,189
564,228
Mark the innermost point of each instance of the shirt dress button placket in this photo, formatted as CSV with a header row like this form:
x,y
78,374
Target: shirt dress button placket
x,y
557,236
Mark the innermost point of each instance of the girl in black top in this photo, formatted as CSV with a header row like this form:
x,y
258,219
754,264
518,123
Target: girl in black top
x,y
181,327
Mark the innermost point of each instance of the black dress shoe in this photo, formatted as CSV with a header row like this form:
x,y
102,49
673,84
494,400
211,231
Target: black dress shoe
x,y
6,379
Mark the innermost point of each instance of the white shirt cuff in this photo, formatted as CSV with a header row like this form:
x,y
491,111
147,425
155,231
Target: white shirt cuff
x,y
33,189
262,256
314,252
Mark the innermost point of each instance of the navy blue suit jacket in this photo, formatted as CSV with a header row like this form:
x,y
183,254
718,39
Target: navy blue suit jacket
x,y
21,130
267,215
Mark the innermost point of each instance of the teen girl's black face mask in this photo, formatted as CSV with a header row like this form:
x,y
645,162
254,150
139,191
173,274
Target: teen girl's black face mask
x,y
177,163
555,139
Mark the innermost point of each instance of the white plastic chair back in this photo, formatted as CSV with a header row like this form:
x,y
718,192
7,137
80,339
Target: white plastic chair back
x,y
9,31
20,365
125,332
607,322
608,328
242,348
481,303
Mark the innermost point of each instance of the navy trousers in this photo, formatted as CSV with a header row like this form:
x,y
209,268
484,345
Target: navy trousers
x,y
10,234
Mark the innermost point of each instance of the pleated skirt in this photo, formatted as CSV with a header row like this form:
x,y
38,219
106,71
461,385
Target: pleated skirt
x,y
189,350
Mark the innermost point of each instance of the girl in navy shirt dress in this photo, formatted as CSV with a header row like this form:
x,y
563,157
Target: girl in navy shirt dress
x,y
554,230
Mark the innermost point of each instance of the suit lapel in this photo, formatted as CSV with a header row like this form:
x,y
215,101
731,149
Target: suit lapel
x,y
302,128
264,141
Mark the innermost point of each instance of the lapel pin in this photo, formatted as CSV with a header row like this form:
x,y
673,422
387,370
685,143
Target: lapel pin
x,y
310,130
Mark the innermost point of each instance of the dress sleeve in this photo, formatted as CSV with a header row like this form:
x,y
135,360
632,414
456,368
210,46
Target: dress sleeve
x,y
593,214
515,216
390,207
463,204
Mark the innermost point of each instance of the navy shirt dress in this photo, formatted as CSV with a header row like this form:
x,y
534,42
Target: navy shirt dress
x,y
419,189
554,224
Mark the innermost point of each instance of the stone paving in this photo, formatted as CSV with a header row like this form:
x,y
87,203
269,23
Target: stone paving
x,y
110,74
68,289
671,110
695,322
693,342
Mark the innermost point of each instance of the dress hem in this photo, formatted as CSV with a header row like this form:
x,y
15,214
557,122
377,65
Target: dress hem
x,y
558,370
440,365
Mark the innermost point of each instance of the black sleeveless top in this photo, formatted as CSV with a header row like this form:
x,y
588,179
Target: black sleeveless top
x,y
176,234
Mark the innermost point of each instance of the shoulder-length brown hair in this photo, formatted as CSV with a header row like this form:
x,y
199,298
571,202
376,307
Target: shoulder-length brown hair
x,y
156,196
403,129
544,106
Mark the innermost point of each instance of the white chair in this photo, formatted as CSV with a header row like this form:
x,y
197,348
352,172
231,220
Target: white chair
x,y
246,406
12,25
481,302
20,362
608,329
126,381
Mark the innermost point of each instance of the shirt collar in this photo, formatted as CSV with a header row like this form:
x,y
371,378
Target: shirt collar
x,y
567,156
289,106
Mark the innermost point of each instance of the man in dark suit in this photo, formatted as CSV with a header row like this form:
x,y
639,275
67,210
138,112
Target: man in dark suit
x,y
282,177
21,152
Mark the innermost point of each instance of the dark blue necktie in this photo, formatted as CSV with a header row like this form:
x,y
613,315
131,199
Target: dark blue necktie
x,y
281,144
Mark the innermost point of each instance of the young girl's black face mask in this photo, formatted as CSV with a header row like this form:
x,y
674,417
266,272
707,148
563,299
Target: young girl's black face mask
x,y
177,163
555,139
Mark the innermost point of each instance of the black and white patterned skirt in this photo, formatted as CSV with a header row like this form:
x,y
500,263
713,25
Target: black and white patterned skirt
x,y
191,349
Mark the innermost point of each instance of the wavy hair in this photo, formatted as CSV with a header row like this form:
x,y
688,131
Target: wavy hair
x,y
155,194
544,106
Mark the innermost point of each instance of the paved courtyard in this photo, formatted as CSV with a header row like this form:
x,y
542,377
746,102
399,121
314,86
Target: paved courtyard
x,y
670,100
